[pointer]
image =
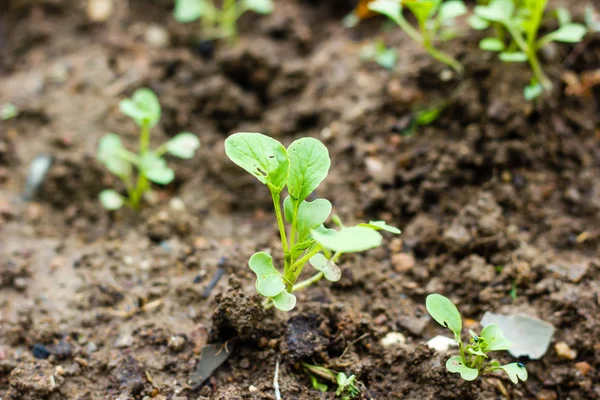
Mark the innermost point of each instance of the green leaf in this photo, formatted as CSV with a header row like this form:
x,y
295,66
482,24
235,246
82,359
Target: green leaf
x,y
444,313
8,111
455,365
188,10
183,145
387,58
321,387
478,23
515,371
110,199
269,282
349,240
422,10
155,168
563,15
381,226
300,248
450,10
284,301
477,352
261,156
259,6
491,44
513,56
390,8
309,165
591,19
497,10
331,271
109,150
494,338
568,33
311,214
143,107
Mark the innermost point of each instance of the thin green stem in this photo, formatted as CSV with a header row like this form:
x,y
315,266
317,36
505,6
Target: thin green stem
x,y
305,259
313,279
276,203
409,30
445,58
532,57
294,223
142,181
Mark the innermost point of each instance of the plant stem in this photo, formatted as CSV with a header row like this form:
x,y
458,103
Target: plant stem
x,y
313,279
445,58
142,182
228,19
409,30
530,50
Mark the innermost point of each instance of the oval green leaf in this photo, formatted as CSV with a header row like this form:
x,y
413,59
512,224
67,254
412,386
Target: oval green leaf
x,y
444,313
491,44
263,157
188,10
497,10
513,56
110,199
515,371
183,145
156,169
310,215
349,240
284,301
478,23
494,338
259,6
109,149
390,8
330,270
269,282
382,226
309,165
143,107
450,10
456,365
568,33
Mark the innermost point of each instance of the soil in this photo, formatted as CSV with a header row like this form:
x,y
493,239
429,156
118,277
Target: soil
x,y
498,200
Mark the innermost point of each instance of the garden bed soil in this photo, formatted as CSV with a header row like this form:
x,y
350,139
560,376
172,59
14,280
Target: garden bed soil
x,y
498,200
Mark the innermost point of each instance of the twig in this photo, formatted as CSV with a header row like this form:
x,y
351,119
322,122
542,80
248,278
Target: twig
x,y
276,381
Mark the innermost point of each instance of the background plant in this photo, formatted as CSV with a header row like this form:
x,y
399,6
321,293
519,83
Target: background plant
x,y
150,166
347,386
517,24
8,111
473,360
435,20
380,53
301,168
218,23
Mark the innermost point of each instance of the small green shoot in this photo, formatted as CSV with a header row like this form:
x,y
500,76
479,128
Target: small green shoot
x,y
436,20
385,57
347,386
516,26
473,360
8,111
218,23
143,107
301,168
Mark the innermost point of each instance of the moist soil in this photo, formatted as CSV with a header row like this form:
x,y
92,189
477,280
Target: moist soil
x,y
498,200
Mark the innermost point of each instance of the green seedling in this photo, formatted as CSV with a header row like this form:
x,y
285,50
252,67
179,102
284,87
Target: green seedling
x,y
150,166
521,20
347,386
435,21
473,360
8,111
381,54
218,23
301,168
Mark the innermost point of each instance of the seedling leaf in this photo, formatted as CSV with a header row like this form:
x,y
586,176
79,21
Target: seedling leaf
x,y
444,313
494,338
515,371
422,9
331,271
269,282
491,44
311,214
309,165
143,107
478,23
110,199
349,240
188,10
563,15
568,33
390,8
259,6
183,145
514,56
455,365
156,169
497,10
451,9
284,301
109,148
381,226
261,156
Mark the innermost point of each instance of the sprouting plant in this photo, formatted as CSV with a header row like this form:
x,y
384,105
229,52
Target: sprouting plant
x,y
143,107
301,168
521,20
380,53
8,111
473,360
347,386
218,23
435,20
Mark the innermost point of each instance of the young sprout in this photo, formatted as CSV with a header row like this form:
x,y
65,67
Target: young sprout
x,y
301,168
143,107
218,23
521,20
473,360
8,111
347,388
435,20
380,53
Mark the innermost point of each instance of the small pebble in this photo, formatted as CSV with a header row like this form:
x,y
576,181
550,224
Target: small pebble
x,y
392,339
176,343
441,344
253,389
403,262
583,367
99,10
156,36
124,340
564,351
40,351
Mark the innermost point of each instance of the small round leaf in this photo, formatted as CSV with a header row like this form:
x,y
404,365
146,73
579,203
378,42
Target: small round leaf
x,y
284,301
330,270
110,199
455,365
183,145
349,240
269,282
444,313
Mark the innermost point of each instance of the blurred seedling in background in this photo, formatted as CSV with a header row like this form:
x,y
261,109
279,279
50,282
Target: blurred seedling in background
x,y
301,168
516,26
380,53
218,23
473,360
436,20
149,165
347,386
8,111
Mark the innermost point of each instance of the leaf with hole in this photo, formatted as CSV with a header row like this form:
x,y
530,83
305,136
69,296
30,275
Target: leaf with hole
x,y
269,282
330,270
263,157
455,365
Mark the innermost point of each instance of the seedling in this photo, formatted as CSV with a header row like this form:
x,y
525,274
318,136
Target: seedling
x,y
143,107
346,385
381,54
522,21
473,360
301,168
8,111
435,20
218,23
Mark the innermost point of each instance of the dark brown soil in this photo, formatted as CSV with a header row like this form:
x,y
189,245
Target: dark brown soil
x,y
497,197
